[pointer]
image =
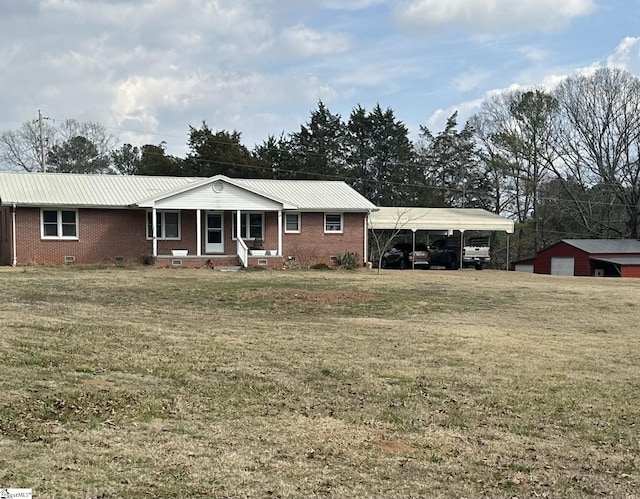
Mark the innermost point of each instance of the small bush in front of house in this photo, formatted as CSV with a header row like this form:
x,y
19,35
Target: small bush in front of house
x,y
349,260
148,260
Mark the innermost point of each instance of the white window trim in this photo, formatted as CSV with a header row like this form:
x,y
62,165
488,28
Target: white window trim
x,y
248,214
161,220
341,231
296,213
59,224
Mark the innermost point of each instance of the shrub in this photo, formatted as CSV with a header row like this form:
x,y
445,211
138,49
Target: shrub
x,y
148,260
349,260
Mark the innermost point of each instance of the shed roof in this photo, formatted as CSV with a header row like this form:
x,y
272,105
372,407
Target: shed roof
x,y
592,246
66,189
620,260
462,219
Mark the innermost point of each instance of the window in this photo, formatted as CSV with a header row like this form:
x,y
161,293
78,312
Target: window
x,y
59,224
333,222
167,224
292,222
251,226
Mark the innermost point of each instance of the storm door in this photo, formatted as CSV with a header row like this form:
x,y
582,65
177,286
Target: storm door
x,y
215,233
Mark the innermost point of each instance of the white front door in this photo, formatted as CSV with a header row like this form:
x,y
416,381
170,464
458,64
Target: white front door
x,y
215,233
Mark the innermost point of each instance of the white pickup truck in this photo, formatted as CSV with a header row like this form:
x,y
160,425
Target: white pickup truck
x,y
446,253
476,252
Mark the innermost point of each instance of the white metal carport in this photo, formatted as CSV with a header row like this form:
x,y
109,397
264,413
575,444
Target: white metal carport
x,y
440,219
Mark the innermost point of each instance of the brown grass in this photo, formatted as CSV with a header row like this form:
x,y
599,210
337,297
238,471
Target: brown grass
x,y
193,383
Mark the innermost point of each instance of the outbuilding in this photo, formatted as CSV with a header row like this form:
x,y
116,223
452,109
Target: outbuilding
x,y
586,257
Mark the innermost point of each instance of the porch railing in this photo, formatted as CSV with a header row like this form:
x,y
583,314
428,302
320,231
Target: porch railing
x,y
243,251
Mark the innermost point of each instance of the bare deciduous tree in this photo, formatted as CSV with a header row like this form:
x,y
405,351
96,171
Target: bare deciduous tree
x,y
598,141
23,149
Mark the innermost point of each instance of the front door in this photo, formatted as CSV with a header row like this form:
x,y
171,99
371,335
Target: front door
x,y
215,233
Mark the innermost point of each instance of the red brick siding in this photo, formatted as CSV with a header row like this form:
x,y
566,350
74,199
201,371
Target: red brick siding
x,y
102,235
106,234
312,245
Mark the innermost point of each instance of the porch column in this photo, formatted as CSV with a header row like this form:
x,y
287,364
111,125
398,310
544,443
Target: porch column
x,y
198,233
280,232
238,225
14,241
154,222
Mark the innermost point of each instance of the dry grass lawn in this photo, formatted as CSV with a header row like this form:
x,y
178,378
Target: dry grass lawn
x,y
127,383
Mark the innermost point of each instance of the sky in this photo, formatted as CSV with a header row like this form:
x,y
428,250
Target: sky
x,y
149,69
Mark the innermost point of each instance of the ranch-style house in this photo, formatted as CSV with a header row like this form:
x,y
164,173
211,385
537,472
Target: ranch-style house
x,y
58,218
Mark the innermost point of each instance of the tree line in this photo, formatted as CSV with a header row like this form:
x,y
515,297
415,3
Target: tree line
x,y
562,164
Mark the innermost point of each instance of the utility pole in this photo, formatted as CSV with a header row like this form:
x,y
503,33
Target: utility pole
x,y
43,156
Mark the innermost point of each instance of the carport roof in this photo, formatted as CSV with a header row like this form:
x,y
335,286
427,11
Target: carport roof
x,y
461,219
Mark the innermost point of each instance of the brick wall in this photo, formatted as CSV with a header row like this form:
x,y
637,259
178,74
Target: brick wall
x,y
312,245
103,235
106,234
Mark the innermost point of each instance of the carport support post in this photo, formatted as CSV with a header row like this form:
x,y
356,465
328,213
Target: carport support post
x,y
413,251
461,248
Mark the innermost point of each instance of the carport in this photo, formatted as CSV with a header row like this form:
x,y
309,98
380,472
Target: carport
x,y
440,220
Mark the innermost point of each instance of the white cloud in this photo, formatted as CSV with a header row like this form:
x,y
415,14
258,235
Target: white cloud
x,y
534,54
470,81
626,55
483,16
307,42
350,4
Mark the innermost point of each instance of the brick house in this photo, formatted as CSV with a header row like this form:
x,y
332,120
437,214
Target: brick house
x,y
56,218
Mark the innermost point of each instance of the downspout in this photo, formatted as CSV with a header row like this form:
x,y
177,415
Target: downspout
x,y
365,243
14,260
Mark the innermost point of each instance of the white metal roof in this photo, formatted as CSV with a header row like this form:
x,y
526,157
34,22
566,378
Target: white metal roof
x,y
310,194
65,189
461,219
68,189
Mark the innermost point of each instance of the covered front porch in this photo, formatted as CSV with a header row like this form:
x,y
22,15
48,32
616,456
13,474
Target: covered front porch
x,y
211,238
216,220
